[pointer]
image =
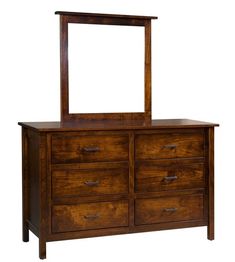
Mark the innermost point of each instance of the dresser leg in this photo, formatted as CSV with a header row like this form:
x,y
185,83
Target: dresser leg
x,y
25,187
25,232
42,249
210,233
210,227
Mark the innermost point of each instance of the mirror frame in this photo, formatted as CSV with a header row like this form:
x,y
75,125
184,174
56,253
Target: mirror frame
x,y
103,19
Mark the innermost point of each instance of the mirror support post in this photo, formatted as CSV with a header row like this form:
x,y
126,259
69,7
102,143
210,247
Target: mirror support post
x,y
64,83
147,73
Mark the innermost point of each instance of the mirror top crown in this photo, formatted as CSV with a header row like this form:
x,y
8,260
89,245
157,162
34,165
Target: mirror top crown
x,y
105,15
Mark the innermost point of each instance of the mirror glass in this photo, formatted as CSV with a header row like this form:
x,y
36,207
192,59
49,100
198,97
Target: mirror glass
x,y
106,68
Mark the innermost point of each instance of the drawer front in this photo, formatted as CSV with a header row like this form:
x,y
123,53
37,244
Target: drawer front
x,y
170,145
89,216
78,148
168,209
168,175
83,182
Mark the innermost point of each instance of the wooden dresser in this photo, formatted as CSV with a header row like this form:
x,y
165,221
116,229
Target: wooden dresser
x,y
122,173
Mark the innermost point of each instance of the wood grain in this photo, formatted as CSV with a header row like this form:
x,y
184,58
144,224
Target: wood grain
x,y
100,20
210,228
83,182
108,125
89,216
131,180
169,175
75,148
64,69
173,145
43,210
113,173
103,19
147,75
143,199
168,209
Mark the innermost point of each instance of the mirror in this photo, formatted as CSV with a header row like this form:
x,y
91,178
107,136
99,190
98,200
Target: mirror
x,y
106,68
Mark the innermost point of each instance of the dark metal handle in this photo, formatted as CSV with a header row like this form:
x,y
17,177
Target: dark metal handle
x,y
91,217
91,149
171,209
92,183
170,178
169,146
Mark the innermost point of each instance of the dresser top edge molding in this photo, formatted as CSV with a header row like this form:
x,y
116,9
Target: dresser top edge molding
x,y
115,125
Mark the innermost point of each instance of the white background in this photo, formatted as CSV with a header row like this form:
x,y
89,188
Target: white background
x,y
105,63
193,77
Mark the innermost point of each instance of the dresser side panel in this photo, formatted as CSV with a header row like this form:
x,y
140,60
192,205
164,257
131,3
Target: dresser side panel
x,y
33,171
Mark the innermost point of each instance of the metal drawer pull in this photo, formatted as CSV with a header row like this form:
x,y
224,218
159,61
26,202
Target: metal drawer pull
x,y
91,149
91,217
92,183
169,147
171,209
170,178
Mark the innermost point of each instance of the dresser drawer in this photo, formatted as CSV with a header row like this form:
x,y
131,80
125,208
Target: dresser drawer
x,y
89,216
83,182
169,209
94,148
168,175
169,145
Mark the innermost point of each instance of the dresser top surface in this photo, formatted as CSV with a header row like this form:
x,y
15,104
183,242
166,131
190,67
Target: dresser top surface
x,y
104,15
114,125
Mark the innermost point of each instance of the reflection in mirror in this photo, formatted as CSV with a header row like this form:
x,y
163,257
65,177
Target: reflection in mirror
x,y
106,68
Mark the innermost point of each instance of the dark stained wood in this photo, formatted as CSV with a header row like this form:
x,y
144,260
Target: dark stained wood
x,y
89,233
173,145
114,173
63,197
157,194
33,169
64,69
84,18
33,229
34,177
210,228
93,165
43,211
131,179
147,75
42,247
169,225
105,20
139,116
25,186
74,200
75,148
168,209
115,125
83,182
125,230
169,175
49,181
89,216
104,15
